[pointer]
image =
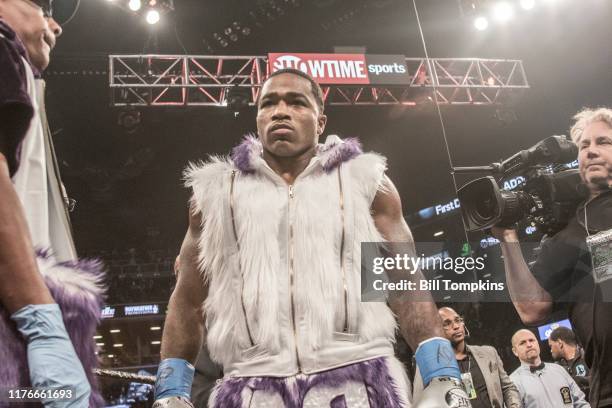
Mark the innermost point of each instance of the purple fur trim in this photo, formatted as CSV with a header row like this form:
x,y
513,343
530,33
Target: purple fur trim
x,y
374,374
242,154
340,152
43,253
331,154
81,313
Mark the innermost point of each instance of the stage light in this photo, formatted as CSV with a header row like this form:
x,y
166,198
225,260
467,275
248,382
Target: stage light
x,y
527,4
115,331
97,337
118,345
152,17
438,234
100,344
481,23
503,11
111,356
155,342
135,5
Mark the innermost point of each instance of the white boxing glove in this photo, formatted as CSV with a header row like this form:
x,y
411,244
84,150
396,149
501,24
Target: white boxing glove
x,y
173,402
443,392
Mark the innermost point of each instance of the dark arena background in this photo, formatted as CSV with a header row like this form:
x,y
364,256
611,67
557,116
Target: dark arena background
x,y
122,151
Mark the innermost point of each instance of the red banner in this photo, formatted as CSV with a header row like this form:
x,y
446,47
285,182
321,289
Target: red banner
x,y
325,68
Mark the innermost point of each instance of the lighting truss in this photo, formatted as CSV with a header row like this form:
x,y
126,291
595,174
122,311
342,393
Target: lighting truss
x,y
204,80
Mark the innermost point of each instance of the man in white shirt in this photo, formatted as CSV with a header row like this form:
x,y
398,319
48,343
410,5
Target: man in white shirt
x,y
542,385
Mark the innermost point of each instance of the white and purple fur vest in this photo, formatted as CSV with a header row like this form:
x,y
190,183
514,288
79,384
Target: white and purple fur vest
x,y
283,262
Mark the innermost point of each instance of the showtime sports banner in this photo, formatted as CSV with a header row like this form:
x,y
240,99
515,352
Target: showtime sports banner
x,y
346,69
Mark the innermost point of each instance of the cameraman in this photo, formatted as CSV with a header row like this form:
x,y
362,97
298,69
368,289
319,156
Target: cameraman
x,y
561,276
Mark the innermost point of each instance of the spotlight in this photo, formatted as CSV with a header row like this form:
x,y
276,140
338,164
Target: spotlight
x,y
234,37
223,43
152,17
228,31
246,31
503,11
135,5
527,4
481,23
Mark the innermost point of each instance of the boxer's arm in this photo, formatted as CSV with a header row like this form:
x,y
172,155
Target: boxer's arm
x,y
20,282
416,311
183,330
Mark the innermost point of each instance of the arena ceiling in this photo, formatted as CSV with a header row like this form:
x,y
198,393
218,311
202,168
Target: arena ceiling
x,y
127,182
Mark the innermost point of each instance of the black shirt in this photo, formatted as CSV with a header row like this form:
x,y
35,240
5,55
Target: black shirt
x,y
563,268
469,364
578,370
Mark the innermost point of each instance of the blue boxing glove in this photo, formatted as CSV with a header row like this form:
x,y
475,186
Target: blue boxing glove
x,y
52,361
435,358
174,379
441,376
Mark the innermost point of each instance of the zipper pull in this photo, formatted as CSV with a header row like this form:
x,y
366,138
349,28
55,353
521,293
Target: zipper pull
x,y
291,190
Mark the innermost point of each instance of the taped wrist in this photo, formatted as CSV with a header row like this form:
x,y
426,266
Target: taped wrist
x,y
435,358
174,378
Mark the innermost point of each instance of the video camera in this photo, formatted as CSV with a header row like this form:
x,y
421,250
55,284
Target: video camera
x,y
548,198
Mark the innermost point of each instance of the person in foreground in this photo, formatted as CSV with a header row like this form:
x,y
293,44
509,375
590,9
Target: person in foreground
x,y
271,259
542,385
49,301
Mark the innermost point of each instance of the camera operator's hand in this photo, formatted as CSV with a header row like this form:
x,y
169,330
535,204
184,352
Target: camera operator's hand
x,y
505,234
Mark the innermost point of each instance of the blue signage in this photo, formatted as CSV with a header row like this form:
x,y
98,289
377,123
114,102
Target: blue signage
x,y
140,310
447,207
107,313
548,328
513,183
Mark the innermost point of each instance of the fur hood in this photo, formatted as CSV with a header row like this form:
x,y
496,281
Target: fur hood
x,y
247,156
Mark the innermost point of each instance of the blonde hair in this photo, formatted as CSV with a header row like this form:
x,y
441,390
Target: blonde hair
x,y
587,116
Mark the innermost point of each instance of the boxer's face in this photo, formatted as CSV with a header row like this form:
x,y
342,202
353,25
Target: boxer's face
x,y
595,156
37,32
288,120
